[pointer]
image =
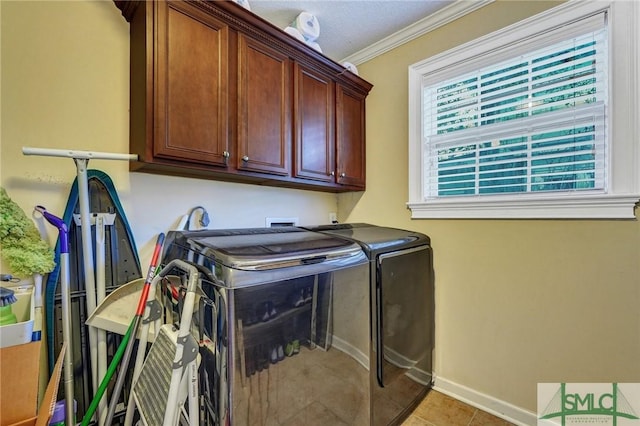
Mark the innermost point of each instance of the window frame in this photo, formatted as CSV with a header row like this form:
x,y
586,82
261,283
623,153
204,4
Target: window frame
x,y
623,178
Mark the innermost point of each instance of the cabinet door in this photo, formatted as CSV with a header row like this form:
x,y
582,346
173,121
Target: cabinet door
x,y
350,136
190,84
314,112
264,108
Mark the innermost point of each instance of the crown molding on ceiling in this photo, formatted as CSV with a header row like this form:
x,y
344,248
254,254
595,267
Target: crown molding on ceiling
x,y
423,26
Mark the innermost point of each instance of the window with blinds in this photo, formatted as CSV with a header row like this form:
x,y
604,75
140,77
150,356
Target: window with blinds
x,y
538,119
530,123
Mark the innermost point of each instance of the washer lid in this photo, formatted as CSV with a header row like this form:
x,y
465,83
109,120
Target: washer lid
x,y
375,238
266,248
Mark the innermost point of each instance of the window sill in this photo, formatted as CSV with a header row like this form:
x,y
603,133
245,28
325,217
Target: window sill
x,y
532,207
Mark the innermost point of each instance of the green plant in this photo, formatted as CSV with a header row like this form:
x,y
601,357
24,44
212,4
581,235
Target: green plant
x,y
22,247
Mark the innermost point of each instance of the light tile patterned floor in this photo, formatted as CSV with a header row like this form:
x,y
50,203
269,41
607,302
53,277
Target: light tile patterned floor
x,y
274,396
438,409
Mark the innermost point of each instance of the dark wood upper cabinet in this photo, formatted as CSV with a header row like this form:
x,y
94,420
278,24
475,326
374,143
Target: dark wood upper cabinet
x,y
219,93
190,78
314,110
350,110
264,108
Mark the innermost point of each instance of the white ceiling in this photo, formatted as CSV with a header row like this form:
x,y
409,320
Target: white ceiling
x,y
349,26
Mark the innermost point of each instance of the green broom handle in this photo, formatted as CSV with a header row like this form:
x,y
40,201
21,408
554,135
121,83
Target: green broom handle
x,y
107,377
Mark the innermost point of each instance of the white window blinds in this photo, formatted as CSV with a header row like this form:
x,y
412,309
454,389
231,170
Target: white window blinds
x,y
533,122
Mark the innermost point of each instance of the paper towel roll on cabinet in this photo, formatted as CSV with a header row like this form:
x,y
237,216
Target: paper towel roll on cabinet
x,y
350,67
308,26
314,45
295,33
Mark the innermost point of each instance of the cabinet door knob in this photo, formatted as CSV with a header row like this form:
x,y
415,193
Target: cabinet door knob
x,y
245,158
332,173
225,155
343,174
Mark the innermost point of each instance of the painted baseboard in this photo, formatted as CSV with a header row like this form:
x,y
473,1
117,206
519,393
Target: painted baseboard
x,y
484,402
462,393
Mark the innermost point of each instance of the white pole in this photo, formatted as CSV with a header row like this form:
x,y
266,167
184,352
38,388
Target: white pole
x,y
101,220
87,261
86,155
81,159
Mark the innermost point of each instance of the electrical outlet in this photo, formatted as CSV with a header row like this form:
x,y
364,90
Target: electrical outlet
x,y
333,217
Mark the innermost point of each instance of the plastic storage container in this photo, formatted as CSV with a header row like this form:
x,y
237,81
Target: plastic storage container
x,y
19,332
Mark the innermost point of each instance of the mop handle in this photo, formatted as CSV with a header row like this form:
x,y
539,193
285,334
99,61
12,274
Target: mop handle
x,y
86,155
58,223
66,312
